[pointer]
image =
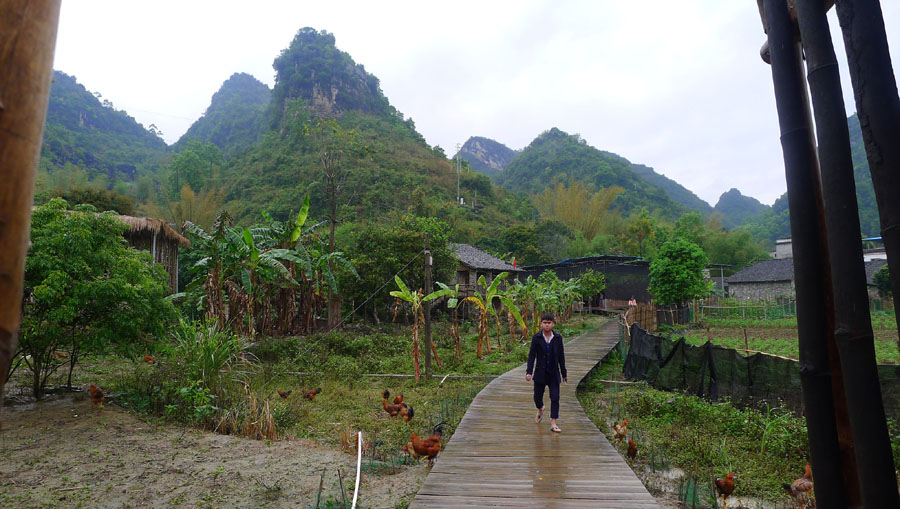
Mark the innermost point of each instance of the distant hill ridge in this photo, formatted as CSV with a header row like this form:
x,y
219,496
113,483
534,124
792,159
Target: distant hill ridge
x,y
235,118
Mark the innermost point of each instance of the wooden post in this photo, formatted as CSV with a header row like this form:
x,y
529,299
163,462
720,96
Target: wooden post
x,y
27,41
426,308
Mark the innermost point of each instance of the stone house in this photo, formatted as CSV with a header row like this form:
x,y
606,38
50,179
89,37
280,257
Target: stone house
x,y
773,278
473,263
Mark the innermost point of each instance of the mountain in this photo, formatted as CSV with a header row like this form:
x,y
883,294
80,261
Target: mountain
x,y
382,165
486,155
556,156
235,116
675,190
737,209
326,78
82,134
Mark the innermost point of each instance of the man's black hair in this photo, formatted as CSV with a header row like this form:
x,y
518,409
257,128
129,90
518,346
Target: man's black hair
x,y
548,316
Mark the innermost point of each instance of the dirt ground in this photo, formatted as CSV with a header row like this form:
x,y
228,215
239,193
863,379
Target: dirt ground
x,y
63,453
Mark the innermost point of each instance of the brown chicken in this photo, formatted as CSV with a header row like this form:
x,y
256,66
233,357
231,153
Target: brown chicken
x,y
801,489
96,396
59,354
312,393
149,359
632,450
725,487
283,394
409,449
406,412
429,447
398,399
620,431
392,410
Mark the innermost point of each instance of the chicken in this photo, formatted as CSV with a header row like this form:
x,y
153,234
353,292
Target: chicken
x,y
96,396
406,412
59,354
312,393
632,450
409,449
283,394
392,410
725,487
398,399
149,359
620,431
801,489
428,447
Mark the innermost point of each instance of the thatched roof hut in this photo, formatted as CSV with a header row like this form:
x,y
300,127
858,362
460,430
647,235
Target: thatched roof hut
x,y
160,239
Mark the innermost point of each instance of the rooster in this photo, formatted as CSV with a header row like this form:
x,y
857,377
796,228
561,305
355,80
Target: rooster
x,y
801,489
96,396
632,450
283,394
725,487
620,431
392,410
149,359
428,447
398,399
312,393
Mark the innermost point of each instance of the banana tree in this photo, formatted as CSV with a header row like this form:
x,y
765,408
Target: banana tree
x,y
453,303
416,299
213,245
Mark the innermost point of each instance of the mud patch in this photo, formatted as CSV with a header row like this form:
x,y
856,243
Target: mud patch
x,y
65,453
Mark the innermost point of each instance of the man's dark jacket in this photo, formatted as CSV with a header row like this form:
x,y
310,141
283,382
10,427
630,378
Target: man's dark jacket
x,y
557,358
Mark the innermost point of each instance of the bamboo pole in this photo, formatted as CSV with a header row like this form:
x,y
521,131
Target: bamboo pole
x,y
27,40
830,440
853,327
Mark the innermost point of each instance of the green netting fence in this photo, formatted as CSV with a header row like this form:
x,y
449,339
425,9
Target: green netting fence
x,y
714,372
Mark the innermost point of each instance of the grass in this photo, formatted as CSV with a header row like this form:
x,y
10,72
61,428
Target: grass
x,y
765,448
881,320
783,341
243,395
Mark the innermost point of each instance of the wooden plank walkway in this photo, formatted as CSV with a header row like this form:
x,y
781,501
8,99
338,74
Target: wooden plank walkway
x,y
499,457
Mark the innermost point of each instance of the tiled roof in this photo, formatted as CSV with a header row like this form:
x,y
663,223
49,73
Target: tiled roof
x,y
782,269
477,259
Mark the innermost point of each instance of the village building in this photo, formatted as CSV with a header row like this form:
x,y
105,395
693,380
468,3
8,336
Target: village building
x,y
626,276
770,279
474,263
159,239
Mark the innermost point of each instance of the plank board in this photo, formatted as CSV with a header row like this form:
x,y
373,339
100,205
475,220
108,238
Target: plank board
x,y
499,457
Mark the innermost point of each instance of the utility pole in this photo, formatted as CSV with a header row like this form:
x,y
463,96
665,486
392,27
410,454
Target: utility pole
x,y
457,173
426,308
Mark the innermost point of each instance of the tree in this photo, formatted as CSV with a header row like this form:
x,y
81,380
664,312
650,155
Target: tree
x,y
86,291
642,229
882,280
676,273
416,300
591,284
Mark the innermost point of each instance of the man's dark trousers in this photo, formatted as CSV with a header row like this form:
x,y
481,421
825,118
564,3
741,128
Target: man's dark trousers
x,y
549,381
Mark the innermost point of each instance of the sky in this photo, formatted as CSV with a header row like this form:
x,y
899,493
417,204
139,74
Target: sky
x,y
678,86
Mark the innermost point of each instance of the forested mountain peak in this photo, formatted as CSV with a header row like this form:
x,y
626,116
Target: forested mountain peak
x,y
556,156
90,139
737,209
486,155
675,190
326,78
235,116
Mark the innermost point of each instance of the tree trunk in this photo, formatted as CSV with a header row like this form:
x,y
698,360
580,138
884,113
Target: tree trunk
x,y
27,41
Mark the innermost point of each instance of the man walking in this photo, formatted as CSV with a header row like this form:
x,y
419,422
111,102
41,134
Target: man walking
x,y
547,350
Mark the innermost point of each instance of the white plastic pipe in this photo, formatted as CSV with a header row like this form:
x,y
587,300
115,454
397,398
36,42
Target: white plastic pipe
x,y
359,440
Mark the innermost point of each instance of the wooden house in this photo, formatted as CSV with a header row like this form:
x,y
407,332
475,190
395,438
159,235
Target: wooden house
x,y
160,239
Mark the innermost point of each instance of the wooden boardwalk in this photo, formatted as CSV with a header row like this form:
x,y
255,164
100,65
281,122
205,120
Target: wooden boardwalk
x,y
499,457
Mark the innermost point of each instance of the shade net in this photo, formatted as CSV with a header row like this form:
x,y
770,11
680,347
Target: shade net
x,y
714,372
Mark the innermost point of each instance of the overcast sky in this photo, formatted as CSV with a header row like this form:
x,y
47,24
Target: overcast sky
x,y
678,86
